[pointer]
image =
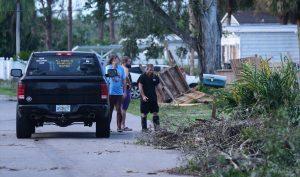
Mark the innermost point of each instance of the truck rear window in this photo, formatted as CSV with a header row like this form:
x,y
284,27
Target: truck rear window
x,y
64,66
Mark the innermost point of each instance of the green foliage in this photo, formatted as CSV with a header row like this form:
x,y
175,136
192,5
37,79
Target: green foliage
x,y
272,96
181,52
23,55
130,48
207,89
286,10
154,51
29,41
235,173
263,89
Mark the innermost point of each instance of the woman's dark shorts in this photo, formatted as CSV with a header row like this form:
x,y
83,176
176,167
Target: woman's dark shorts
x,y
149,106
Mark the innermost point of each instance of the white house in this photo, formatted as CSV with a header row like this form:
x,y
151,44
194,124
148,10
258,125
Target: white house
x,y
259,34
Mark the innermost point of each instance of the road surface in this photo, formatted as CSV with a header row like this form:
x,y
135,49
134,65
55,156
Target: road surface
x,y
75,152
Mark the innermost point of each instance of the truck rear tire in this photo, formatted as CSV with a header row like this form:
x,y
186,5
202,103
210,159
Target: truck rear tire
x,y
24,127
102,127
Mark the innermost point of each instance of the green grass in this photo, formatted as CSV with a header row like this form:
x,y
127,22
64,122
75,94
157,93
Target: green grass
x,y
176,115
134,107
7,91
7,87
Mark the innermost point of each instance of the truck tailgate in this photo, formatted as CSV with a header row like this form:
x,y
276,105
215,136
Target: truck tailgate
x,y
64,90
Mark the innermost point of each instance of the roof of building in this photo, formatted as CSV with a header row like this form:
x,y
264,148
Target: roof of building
x,y
252,17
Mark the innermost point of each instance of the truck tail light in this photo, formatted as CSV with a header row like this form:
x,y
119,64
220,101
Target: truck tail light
x,y
21,91
104,91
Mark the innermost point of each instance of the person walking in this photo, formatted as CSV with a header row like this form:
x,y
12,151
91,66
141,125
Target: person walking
x,y
147,83
126,64
117,89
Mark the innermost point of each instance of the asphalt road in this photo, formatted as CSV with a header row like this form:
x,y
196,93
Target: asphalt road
x,y
75,152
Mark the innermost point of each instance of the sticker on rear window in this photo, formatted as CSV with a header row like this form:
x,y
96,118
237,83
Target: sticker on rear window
x,y
64,63
87,61
41,61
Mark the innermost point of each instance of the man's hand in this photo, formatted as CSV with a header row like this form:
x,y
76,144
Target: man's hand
x,y
124,95
145,98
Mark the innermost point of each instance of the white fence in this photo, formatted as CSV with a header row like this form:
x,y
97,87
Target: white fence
x,y
7,65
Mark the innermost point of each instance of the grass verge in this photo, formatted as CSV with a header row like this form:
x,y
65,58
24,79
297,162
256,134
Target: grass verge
x,y
7,91
175,116
7,88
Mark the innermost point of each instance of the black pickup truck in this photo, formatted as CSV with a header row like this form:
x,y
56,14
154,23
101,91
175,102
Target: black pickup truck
x,y
62,88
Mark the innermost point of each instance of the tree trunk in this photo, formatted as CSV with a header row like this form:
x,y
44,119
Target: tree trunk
x,y
192,61
178,7
169,7
70,26
48,26
101,30
209,38
101,18
111,22
206,39
192,25
229,11
298,27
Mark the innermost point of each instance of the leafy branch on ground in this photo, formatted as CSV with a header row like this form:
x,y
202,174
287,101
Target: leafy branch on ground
x,y
256,134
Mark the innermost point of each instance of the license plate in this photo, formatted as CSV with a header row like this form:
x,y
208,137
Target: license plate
x,y
63,108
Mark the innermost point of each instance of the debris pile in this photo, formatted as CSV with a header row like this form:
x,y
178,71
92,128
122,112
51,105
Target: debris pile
x,y
173,88
209,140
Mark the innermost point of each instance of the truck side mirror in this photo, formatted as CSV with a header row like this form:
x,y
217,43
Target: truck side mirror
x,y
16,73
111,73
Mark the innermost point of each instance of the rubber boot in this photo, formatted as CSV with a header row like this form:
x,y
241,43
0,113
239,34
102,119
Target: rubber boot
x,y
144,123
156,122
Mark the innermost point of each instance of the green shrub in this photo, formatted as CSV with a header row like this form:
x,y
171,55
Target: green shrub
x,y
272,95
263,89
23,55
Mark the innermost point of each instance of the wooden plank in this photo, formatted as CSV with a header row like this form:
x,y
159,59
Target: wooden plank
x,y
172,61
167,82
189,97
165,88
182,84
175,85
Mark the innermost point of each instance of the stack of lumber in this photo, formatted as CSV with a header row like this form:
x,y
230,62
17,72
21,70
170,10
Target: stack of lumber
x,y
173,88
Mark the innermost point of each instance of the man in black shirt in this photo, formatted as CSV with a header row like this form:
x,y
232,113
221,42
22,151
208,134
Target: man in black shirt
x,y
147,83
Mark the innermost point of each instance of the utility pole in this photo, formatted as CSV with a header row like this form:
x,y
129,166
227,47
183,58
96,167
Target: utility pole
x,y
18,41
70,19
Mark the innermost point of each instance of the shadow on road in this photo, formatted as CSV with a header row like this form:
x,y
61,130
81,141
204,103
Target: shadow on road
x,y
82,135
